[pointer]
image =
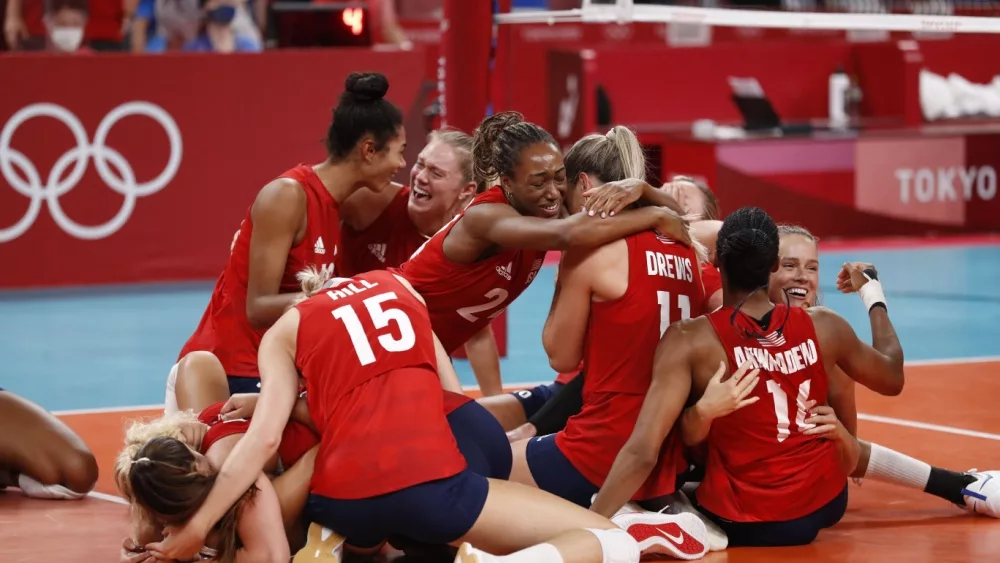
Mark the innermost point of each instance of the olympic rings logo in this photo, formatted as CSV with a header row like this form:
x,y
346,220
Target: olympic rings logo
x,y
29,182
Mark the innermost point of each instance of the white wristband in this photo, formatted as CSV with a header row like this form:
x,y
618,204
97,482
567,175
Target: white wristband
x,y
871,294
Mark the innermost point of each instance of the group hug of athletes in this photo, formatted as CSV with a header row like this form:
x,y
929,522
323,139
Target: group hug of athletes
x,y
705,401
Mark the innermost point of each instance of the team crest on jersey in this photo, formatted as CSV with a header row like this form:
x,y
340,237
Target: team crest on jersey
x,y
535,266
378,250
506,271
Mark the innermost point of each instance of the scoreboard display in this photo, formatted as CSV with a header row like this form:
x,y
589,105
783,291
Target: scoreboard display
x,y
321,24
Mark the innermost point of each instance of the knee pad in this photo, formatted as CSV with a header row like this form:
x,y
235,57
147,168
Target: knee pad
x,y
617,545
170,401
34,489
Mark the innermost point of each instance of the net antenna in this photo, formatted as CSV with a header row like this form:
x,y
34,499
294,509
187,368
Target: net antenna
x,y
624,11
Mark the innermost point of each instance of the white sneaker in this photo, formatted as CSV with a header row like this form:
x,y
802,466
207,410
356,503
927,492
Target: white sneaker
x,y
681,536
680,503
982,496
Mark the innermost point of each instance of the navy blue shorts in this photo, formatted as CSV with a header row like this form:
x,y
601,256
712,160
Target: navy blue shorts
x,y
532,400
800,531
437,512
554,473
239,384
481,440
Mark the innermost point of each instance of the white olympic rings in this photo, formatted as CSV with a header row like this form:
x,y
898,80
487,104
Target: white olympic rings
x,y
30,184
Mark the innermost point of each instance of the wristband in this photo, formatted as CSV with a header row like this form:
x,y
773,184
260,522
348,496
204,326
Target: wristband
x,y
871,293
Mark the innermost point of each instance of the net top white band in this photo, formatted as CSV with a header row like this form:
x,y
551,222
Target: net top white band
x,y
756,18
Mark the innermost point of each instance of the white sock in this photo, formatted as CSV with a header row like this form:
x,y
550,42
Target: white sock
x,y
541,553
889,466
34,489
617,546
170,401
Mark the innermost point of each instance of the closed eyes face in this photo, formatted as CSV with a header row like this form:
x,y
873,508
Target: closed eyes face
x,y
798,271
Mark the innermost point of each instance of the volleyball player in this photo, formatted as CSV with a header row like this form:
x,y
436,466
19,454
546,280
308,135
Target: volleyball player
x,y
766,482
365,348
293,223
797,280
611,305
40,454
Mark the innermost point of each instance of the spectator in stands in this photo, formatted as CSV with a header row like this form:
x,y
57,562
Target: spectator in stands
x,y
26,28
65,23
218,34
167,25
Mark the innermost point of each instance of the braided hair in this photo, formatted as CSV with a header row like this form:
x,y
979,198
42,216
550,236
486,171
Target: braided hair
x,y
497,146
747,248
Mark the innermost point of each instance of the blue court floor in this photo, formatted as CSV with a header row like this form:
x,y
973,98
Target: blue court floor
x,y
112,347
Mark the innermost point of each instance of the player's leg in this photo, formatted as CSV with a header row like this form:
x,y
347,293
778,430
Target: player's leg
x,y
538,462
514,409
977,492
43,456
200,381
481,440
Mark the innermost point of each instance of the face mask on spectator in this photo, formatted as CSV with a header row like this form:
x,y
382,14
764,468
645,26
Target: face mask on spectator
x,y
222,15
67,39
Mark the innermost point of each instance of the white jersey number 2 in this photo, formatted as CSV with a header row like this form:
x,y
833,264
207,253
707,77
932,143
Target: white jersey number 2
x,y
496,297
381,317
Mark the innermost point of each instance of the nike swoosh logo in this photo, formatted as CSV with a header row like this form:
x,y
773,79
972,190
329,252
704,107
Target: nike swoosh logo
x,y
679,540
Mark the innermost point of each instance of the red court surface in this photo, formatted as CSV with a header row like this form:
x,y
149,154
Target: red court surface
x,y
947,415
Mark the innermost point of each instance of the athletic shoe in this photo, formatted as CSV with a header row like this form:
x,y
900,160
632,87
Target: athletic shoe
x,y
323,545
681,504
680,536
982,496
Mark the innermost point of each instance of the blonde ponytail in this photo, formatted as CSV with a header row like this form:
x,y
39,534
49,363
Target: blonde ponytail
x,y
312,279
628,151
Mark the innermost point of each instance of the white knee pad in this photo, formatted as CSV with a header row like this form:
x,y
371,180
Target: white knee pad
x,y
34,489
170,401
617,545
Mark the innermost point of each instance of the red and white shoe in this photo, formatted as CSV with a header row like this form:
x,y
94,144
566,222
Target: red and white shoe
x,y
680,536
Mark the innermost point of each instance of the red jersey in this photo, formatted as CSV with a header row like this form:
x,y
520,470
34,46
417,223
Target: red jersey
x,y
366,352
664,285
712,280
224,329
759,466
386,243
463,299
296,440
565,378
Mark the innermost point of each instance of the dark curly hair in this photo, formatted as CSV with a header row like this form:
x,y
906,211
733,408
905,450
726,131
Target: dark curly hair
x,y
747,248
362,110
498,143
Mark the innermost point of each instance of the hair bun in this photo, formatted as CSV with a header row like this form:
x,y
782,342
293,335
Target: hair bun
x,y
367,86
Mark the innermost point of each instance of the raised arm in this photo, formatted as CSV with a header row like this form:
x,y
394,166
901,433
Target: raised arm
x,y
664,402
260,528
277,215
878,368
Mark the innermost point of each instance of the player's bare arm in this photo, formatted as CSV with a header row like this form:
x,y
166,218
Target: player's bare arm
x,y
611,198
502,225
879,370
279,216
565,331
484,359
667,395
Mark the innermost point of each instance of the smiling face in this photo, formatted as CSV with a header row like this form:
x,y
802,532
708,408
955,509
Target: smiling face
x,y
798,271
437,181
539,183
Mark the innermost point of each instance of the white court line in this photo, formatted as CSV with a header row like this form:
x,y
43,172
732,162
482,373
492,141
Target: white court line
x,y
104,410
954,361
109,498
928,426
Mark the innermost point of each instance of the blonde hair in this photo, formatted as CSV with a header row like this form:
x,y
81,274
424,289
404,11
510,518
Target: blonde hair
x,y
142,431
786,229
612,157
461,143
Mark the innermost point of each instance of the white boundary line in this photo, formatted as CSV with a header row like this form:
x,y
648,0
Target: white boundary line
x,y
107,497
928,426
954,361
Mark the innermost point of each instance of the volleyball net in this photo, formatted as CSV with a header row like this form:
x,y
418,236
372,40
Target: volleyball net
x,y
879,15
